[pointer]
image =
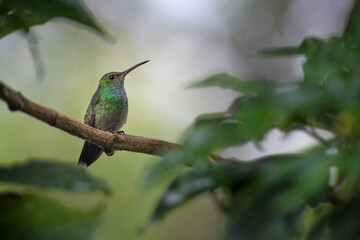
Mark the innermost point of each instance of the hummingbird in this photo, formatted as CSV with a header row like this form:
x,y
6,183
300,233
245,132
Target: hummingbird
x,y
107,111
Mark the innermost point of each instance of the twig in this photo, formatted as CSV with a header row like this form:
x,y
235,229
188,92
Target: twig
x,y
35,53
109,142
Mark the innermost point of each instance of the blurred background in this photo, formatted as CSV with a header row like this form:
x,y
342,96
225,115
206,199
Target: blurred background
x,y
186,41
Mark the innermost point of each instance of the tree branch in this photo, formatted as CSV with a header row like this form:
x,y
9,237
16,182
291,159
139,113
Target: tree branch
x,y
109,142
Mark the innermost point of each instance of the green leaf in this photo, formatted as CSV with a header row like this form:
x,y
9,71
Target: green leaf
x,y
50,174
181,191
193,183
29,216
22,19
226,81
271,191
22,14
227,174
272,197
195,150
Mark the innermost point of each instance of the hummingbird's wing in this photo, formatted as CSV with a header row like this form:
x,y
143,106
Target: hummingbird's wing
x,y
90,152
90,112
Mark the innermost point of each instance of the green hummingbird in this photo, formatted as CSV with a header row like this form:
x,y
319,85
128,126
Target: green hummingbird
x,y
107,110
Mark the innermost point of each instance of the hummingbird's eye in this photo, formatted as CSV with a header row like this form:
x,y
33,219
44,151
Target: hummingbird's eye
x,y
111,77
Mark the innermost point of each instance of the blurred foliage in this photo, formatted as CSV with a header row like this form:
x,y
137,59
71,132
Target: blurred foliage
x,y
29,213
57,175
308,195
23,14
32,216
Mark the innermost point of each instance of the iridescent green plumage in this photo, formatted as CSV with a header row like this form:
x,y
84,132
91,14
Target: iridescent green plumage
x,y
109,104
107,110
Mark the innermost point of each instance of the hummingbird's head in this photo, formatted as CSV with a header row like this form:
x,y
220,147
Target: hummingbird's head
x,y
116,79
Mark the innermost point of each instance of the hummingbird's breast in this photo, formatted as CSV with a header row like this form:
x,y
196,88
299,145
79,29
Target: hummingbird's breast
x,y
112,110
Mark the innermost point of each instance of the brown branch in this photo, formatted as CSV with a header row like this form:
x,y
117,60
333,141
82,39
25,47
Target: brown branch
x,y
108,141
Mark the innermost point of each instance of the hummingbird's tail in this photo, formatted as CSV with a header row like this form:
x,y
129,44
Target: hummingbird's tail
x,y
89,154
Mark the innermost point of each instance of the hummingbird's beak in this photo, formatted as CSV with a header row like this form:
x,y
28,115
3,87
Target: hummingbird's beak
x,y
124,73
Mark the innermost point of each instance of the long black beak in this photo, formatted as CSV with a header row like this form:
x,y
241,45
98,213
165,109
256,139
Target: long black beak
x,y
124,73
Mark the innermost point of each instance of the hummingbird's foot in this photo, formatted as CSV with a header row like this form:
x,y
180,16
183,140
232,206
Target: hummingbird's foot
x,y
112,130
